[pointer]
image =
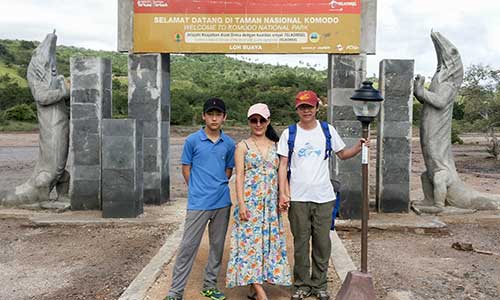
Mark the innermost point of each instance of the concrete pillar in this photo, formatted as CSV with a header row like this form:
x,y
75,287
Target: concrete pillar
x,y
125,42
149,102
122,182
368,42
394,136
345,74
90,104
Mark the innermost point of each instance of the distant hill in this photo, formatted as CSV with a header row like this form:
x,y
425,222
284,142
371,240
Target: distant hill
x,y
194,79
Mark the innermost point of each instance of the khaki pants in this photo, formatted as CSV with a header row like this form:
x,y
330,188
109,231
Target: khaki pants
x,y
309,220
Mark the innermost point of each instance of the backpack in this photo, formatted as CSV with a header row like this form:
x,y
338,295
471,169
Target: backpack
x,y
292,133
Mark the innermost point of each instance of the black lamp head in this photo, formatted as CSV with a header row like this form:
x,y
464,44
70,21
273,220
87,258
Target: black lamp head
x,y
367,93
366,102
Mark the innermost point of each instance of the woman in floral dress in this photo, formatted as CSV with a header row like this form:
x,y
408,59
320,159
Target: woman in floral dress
x,y
258,248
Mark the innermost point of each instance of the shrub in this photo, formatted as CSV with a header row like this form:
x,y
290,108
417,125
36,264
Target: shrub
x,y
493,147
20,112
3,120
455,139
417,112
120,99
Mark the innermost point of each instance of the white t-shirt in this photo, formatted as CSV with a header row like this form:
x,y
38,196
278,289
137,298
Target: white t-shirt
x,y
310,179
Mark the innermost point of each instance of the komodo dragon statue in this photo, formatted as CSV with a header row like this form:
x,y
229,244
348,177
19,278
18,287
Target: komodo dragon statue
x,y
440,182
49,91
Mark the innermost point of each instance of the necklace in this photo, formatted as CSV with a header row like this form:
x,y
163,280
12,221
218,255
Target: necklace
x,y
258,148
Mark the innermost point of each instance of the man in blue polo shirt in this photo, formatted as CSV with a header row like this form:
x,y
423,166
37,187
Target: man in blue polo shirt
x,y
207,164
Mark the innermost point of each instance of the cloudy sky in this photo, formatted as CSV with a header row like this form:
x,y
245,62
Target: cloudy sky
x,y
403,29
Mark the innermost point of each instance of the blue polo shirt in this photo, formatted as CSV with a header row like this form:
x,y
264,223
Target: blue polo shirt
x,y
208,184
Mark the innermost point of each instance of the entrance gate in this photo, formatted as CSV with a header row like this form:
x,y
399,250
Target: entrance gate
x,y
150,30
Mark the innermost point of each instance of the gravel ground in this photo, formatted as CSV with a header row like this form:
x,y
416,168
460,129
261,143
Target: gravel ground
x,y
98,262
427,265
70,262
66,262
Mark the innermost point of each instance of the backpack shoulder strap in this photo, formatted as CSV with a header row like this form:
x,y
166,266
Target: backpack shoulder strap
x,y
328,137
292,133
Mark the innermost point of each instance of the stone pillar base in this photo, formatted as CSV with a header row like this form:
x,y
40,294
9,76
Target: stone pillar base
x,y
122,178
357,286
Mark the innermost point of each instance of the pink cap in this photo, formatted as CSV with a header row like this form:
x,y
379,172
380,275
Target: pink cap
x,y
259,109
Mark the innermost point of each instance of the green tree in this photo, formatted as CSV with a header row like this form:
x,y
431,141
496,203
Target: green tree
x,y
481,98
194,78
120,99
11,93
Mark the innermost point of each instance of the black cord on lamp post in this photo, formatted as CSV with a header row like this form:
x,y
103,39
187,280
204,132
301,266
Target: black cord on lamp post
x,y
359,285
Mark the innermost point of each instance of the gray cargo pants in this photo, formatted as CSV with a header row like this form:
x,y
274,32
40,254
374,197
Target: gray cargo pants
x,y
194,227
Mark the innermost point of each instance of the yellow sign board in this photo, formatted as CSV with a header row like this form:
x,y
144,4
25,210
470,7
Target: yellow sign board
x,y
259,26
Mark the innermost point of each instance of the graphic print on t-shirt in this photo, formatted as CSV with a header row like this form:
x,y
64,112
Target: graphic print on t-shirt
x,y
308,150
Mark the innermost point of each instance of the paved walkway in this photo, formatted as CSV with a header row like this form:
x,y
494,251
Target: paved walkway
x,y
161,286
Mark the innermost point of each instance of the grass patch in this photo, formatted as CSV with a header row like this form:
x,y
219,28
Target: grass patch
x,y
18,126
13,74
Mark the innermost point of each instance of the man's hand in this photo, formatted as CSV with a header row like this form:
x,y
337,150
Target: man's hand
x,y
284,202
364,141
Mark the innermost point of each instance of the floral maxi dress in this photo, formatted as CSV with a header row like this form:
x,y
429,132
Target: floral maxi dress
x,y
258,247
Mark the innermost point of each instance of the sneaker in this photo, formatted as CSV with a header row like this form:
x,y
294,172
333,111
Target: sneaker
x,y
172,298
322,295
300,295
213,294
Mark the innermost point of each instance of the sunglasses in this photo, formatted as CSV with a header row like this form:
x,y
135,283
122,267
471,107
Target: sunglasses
x,y
257,120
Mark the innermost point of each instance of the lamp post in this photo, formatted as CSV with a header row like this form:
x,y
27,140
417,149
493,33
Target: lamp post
x,y
359,285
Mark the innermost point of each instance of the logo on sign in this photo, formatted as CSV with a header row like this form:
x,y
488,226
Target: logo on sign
x,y
314,37
152,3
335,4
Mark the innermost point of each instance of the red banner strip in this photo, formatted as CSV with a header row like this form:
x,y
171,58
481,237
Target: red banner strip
x,y
248,7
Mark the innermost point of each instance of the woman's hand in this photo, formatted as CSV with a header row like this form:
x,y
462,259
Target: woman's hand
x,y
284,202
243,213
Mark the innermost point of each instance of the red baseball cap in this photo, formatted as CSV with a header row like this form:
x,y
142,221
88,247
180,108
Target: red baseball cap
x,y
306,97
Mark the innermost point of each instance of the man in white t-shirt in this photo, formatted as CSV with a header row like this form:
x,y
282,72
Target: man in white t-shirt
x,y
309,195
